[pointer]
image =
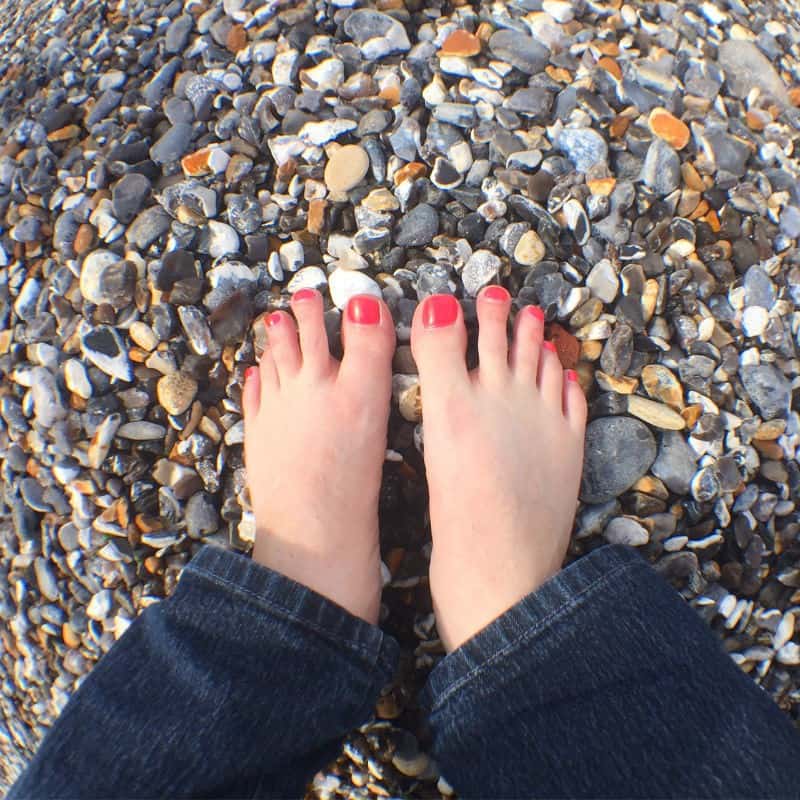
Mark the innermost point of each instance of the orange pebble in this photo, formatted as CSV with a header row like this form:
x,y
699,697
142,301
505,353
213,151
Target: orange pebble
x,y
669,128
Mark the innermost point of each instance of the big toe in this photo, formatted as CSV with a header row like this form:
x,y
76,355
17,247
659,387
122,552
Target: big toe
x,y
439,340
369,339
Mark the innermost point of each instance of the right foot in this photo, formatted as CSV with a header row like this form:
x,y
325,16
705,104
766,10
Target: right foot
x,y
503,456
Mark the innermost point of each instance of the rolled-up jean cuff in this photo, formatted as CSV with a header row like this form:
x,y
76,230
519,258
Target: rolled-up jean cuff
x,y
564,593
286,599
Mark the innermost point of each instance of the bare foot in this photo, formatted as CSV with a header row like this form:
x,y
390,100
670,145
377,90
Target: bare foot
x,y
315,440
503,455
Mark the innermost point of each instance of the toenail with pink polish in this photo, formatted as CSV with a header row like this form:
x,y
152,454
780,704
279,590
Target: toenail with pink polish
x,y
572,375
535,312
304,294
439,311
364,310
273,320
250,372
499,293
549,346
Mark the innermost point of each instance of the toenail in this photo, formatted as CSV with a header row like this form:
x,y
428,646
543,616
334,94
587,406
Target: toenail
x,y
549,346
440,311
250,372
304,294
364,310
273,320
499,293
535,312
572,375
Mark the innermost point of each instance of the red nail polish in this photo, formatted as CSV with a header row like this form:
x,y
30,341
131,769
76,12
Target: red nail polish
x,y
304,294
572,375
273,320
549,346
440,310
364,310
496,293
535,312
250,372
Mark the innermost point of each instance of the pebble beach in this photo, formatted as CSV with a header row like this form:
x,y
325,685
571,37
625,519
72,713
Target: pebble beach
x,y
171,172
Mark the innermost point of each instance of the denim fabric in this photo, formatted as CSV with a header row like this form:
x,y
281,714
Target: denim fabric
x,y
242,684
602,683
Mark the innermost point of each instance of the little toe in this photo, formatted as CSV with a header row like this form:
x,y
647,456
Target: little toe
x,y
493,306
551,377
439,340
308,311
526,346
574,402
283,344
369,339
251,393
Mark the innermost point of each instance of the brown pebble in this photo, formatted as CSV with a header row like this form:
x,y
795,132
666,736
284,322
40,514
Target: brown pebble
x,y
237,39
567,346
316,216
84,238
64,134
669,128
461,43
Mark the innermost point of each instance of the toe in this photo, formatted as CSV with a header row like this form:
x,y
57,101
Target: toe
x,y
574,402
551,377
527,344
308,311
369,339
251,392
268,373
493,305
283,344
439,340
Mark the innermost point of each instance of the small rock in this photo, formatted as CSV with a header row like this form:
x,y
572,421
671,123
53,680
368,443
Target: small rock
x,y
173,144
768,388
105,278
669,128
480,270
129,196
662,168
418,227
530,249
103,346
618,451
627,531
658,415
176,392
346,283
222,239
519,50
662,384
675,464
747,67
584,147
603,281
346,168
461,43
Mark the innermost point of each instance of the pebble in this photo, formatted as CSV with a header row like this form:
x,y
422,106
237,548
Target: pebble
x,y
627,531
662,168
530,249
346,283
618,451
519,50
346,168
768,388
669,128
675,463
105,278
173,144
417,227
103,346
584,147
603,281
129,195
656,414
480,270
176,392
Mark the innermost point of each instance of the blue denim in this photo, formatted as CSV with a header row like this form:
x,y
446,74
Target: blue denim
x,y
602,683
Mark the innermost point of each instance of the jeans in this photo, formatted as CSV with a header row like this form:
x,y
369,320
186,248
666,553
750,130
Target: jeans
x,y
602,683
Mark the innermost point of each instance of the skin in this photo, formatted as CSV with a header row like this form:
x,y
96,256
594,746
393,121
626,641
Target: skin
x,y
508,435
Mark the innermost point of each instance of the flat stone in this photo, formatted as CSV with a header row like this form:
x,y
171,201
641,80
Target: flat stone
x,y
106,278
618,451
346,283
627,531
173,144
669,128
662,168
417,227
662,384
676,462
461,43
103,346
603,281
141,431
479,271
584,147
656,414
148,226
222,240
377,34
768,388
129,196
176,392
346,168
519,50
747,67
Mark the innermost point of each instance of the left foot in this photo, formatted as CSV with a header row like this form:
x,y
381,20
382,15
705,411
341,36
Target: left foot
x,y
315,441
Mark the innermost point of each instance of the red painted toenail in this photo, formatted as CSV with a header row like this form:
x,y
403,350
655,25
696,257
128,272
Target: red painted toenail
x,y
572,375
496,293
535,312
250,372
364,310
549,346
273,320
304,294
440,310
